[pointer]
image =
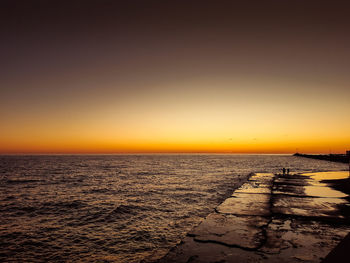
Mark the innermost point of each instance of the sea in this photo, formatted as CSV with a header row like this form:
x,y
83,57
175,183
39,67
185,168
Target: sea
x,y
118,208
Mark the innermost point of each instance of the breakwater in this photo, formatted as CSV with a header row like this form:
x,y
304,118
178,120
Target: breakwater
x,y
340,158
270,218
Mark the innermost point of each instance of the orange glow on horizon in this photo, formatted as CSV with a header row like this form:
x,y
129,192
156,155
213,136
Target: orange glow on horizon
x,y
108,147
190,119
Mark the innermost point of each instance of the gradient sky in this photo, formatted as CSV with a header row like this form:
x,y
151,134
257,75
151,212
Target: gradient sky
x,y
174,76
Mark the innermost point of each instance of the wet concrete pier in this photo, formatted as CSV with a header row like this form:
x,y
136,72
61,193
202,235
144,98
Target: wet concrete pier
x,y
270,218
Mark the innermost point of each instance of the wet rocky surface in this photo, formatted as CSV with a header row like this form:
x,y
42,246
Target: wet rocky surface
x,y
270,218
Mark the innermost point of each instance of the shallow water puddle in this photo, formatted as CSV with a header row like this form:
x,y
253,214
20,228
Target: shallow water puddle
x,y
334,175
322,189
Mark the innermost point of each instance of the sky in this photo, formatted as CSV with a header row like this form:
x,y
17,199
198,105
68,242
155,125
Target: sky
x,y
174,76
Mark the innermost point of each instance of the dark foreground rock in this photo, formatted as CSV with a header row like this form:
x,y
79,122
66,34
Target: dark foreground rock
x,y
270,218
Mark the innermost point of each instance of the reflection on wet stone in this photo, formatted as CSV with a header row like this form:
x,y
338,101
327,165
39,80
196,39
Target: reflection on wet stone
x,y
246,204
229,230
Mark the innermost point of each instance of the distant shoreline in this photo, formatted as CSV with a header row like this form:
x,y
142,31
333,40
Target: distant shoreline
x,y
340,158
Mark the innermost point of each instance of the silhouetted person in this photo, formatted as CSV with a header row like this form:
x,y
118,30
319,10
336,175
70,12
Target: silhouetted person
x,y
288,171
284,171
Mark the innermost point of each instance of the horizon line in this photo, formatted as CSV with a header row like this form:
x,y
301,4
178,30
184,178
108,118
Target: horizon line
x,y
157,153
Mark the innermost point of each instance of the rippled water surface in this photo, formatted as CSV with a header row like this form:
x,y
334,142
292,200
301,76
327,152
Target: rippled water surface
x,y
117,208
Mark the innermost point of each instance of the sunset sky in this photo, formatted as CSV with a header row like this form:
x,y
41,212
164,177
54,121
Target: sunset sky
x,y
174,76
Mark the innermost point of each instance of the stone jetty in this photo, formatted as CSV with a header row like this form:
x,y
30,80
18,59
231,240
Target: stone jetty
x,y
270,218
340,158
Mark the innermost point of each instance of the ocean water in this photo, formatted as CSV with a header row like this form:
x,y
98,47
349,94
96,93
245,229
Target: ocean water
x,y
117,208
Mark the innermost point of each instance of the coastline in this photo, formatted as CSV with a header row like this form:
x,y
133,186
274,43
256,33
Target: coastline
x,y
340,158
271,218
155,257
163,196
